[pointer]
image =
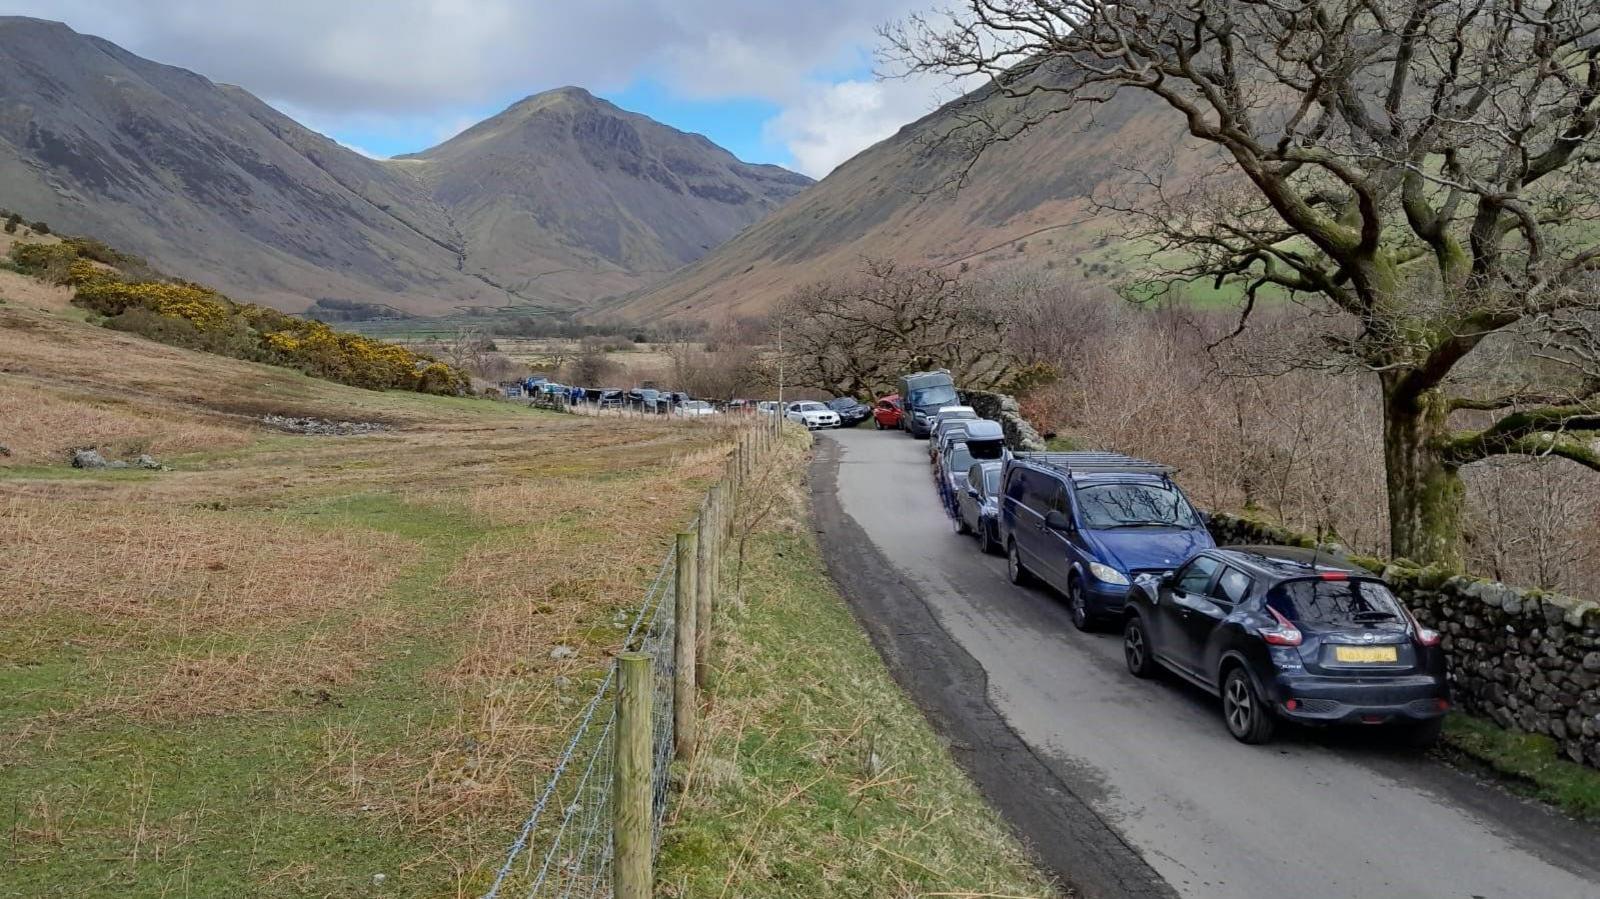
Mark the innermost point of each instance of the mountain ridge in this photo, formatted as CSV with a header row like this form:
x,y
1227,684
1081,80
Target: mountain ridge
x,y
214,184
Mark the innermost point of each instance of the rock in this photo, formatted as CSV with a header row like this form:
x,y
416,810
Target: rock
x,y
88,458
321,427
4,450
562,652
146,462
1591,662
562,682
117,464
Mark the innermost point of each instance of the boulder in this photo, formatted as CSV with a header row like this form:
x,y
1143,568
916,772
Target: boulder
x,y
89,458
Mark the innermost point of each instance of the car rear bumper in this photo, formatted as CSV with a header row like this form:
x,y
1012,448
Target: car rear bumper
x,y
1328,700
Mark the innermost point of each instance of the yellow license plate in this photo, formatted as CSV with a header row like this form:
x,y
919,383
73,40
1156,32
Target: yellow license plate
x,y
1366,653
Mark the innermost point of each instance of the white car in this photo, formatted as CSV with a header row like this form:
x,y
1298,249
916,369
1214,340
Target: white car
x,y
695,409
813,415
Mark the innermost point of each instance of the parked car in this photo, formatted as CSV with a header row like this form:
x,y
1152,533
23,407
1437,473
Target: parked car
x,y
1086,524
851,411
943,436
984,439
947,416
1283,633
767,407
978,507
694,409
886,412
951,475
812,414
922,395
611,398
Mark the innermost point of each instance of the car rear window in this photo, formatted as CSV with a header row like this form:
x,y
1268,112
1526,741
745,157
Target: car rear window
x,y
1335,602
991,480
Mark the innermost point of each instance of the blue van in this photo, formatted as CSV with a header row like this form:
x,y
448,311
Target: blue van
x,y
1087,524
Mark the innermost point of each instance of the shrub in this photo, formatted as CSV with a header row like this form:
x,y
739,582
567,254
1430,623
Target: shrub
x,y
41,228
47,262
196,317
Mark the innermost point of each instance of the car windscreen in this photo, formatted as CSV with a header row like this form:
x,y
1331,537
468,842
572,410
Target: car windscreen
x,y
937,395
812,407
1317,601
960,457
1106,506
841,404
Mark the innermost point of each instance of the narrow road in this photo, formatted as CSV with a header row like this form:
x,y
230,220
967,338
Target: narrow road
x,y
1131,788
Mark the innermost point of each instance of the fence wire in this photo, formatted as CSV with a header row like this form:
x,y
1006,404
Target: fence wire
x,y
570,857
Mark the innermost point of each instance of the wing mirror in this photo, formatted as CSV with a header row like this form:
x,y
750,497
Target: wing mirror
x,y
1057,520
972,492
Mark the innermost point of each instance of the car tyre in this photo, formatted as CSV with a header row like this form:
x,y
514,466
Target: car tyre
x,y
1015,570
959,525
1420,734
1078,605
986,544
1136,648
1244,712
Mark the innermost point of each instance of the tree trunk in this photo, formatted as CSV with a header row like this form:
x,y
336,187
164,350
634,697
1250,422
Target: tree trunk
x,y
1425,491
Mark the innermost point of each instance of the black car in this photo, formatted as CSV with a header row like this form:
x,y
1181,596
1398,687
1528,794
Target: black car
x,y
851,411
1289,634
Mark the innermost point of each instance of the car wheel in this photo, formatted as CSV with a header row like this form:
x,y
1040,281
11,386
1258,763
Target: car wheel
x,y
959,525
1014,568
1420,734
986,544
1078,602
1136,648
1247,717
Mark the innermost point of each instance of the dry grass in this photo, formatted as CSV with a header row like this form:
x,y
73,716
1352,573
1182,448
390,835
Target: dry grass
x,y
43,424
331,651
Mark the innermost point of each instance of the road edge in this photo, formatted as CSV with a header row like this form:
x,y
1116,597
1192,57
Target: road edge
x,y
1066,837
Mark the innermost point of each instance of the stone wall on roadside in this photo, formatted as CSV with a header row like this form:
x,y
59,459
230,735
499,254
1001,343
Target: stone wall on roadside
x,y
1003,408
1527,659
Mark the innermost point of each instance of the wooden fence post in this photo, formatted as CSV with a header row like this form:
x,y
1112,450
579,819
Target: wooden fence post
x,y
706,585
685,703
633,787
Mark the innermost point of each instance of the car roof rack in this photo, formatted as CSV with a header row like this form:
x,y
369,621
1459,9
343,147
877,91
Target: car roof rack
x,y
1096,463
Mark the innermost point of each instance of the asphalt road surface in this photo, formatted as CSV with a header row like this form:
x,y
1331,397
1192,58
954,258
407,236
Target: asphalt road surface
x,y
1132,788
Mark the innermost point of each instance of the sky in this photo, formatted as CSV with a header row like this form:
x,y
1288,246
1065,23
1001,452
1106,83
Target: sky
x,y
789,82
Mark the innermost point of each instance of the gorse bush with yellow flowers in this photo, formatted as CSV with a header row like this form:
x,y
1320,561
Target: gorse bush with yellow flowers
x,y
196,317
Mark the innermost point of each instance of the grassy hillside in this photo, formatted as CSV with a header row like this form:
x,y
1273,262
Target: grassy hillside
x,y
293,662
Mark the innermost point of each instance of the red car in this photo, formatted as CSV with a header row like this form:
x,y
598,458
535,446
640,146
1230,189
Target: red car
x,y
886,412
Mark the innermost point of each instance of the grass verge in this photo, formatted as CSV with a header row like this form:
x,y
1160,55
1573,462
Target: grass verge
x,y
817,777
1530,763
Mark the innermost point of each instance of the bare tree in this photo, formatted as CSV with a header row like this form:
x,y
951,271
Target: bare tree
x,y
1420,172
855,336
592,366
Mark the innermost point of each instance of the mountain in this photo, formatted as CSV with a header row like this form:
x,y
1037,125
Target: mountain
x,y
561,199
565,194
918,198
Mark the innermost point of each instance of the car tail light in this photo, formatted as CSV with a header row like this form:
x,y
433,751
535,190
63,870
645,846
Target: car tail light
x,y
1334,576
1442,704
1285,634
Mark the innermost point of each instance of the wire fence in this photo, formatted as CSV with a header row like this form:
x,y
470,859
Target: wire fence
x,y
564,847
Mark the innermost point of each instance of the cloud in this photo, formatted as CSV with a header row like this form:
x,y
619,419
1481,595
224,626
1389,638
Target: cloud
x,y
407,61
836,121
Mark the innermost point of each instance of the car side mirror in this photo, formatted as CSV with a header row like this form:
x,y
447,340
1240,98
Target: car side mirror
x,y
972,492
1151,585
1057,520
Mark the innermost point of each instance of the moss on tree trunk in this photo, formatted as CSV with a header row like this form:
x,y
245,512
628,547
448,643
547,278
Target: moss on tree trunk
x,y
1425,490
